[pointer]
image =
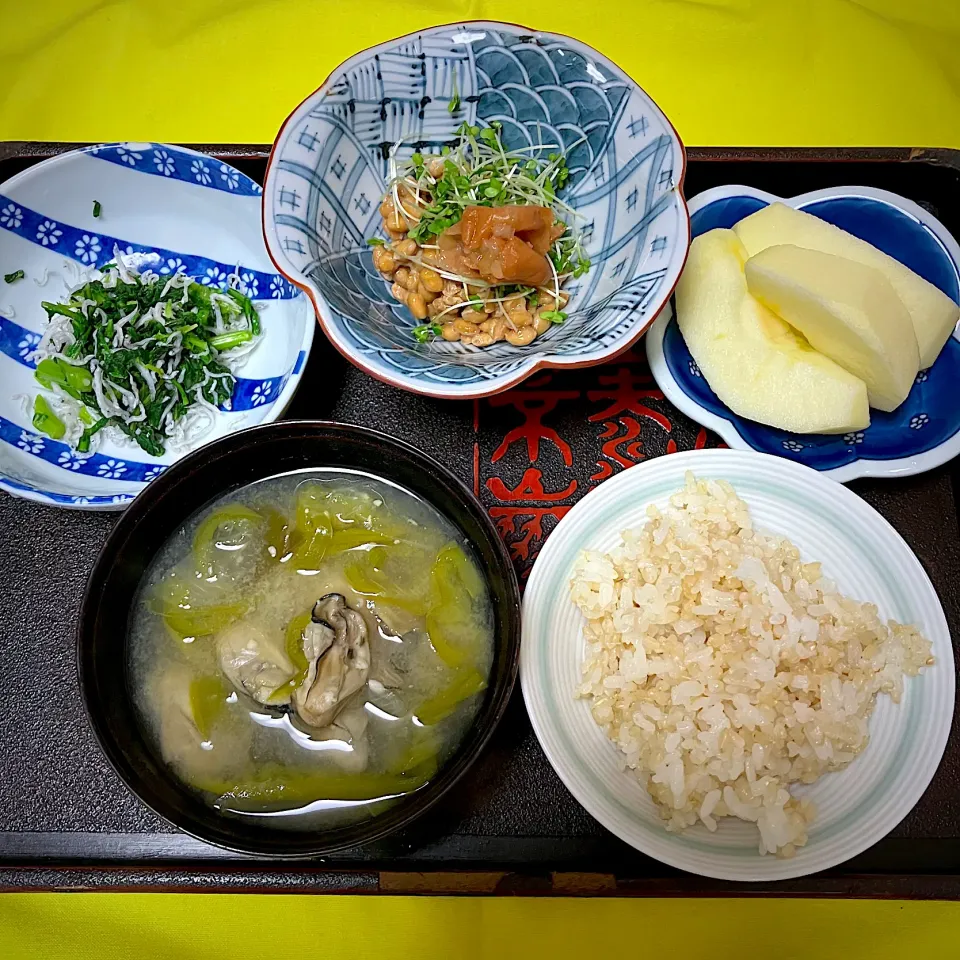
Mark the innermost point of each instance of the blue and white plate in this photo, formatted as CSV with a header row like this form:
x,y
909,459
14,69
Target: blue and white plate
x,y
924,431
190,212
328,168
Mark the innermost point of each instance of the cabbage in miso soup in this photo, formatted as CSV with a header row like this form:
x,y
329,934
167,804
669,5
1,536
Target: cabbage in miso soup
x,y
314,644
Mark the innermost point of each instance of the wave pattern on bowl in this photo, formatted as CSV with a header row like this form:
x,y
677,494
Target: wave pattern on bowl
x,y
329,168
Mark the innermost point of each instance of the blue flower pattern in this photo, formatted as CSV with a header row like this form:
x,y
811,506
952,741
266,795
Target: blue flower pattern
x,y
11,216
27,345
112,469
249,285
200,171
163,162
129,157
96,250
48,233
171,265
87,249
261,394
229,176
176,164
72,460
215,277
30,442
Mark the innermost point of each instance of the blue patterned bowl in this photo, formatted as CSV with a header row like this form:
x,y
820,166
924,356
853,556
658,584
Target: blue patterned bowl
x,y
328,168
180,210
924,431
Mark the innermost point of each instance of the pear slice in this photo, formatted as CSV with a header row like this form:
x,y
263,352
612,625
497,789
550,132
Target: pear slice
x,y
933,314
755,363
844,309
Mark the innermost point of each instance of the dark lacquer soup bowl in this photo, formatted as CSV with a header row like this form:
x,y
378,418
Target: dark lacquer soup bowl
x,y
164,507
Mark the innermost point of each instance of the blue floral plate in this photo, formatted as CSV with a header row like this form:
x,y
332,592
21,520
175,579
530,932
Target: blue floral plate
x,y
178,210
924,431
328,169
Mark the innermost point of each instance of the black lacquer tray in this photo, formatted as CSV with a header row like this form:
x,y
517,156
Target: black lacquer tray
x,y
509,826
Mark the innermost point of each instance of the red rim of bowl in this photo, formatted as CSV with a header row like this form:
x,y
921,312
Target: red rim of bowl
x,y
545,363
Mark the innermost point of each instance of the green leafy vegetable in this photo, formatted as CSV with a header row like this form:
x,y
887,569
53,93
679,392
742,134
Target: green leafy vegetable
x,y
208,700
207,532
46,421
273,787
83,444
426,331
140,352
554,316
13,277
72,379
177,601
313,527
375,242
454,105
96,208
450,621
442,704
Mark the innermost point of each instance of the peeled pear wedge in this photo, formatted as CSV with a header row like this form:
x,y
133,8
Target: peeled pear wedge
x,y
754,361
845,310
933,314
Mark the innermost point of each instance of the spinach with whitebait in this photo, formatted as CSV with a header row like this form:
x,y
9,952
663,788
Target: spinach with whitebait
x,y
138,352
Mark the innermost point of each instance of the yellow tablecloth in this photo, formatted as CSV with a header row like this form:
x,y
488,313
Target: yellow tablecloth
x,y
748,72
210,927
802,72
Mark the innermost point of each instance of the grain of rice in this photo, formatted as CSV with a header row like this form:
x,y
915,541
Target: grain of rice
x,y
725,668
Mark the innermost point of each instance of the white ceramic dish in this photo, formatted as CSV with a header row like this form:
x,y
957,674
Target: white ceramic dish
x,y
924,431
867,559
186,211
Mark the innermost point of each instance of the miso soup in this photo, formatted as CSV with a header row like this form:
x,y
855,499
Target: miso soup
x,y
310,648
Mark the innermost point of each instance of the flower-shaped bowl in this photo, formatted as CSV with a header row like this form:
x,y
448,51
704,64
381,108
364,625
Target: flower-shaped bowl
x,y
329,166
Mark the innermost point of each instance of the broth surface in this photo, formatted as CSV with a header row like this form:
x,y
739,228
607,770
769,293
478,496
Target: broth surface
x,y
310,646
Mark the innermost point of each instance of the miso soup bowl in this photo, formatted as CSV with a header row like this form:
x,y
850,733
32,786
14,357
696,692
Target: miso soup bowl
x,y
219,468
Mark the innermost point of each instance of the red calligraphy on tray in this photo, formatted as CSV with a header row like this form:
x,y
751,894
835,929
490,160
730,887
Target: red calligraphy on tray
x,y
522,526
540,447
534,406
626,392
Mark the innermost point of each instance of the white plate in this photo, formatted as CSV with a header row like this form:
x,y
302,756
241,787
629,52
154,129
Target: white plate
x,y
868,560
186,211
